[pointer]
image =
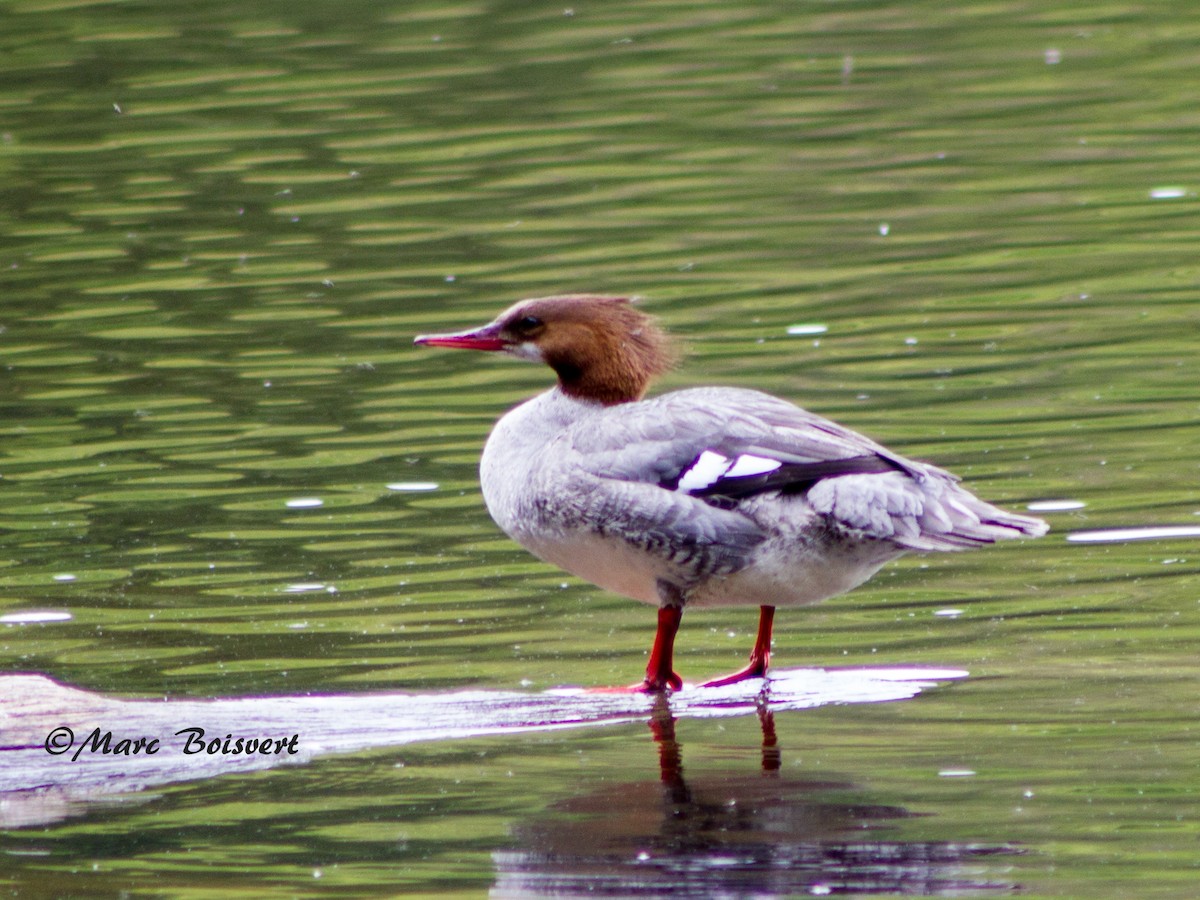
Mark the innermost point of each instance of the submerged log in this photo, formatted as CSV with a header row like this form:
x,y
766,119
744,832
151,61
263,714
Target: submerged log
x,y
63,749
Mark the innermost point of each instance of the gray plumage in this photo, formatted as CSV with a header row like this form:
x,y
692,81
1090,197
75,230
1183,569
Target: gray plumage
x,y
596,490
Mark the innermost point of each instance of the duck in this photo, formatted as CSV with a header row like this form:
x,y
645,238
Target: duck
x,y
700,497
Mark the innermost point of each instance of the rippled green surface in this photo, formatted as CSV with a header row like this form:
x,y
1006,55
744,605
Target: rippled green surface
x,y
221,226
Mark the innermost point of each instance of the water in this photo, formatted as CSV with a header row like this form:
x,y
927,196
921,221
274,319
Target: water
x,y
969,232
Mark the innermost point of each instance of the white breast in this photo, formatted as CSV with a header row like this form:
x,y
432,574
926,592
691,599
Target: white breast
x,y
606,562
513,469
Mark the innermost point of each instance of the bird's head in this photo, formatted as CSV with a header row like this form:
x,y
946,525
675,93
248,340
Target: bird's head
x,y
603,349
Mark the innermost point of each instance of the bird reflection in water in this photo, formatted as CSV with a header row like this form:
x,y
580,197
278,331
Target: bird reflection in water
x,y
761,834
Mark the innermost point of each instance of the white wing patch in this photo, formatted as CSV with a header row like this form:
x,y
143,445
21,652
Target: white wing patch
x,y
751,465
710,467
705,471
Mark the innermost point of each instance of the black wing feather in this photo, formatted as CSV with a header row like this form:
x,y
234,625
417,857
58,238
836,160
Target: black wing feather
x,y
790,478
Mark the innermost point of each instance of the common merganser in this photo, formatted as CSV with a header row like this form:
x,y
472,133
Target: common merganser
x,y
710,496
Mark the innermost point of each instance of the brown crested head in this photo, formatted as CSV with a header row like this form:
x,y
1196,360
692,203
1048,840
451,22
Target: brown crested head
x,y
602,348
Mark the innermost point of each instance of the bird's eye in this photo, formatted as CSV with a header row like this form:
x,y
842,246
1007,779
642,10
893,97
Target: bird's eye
x,y
528,323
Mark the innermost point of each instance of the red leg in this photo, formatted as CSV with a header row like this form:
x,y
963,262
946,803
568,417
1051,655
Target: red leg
x,y
660,672
760,656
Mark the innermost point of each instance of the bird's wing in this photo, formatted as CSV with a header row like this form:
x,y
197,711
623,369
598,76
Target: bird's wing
x,y
729,443
689,457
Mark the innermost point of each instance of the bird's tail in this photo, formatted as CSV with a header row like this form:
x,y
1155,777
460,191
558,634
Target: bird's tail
x,y
956,519
930,512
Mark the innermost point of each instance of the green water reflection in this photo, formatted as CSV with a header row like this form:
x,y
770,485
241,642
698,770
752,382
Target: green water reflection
x,y
220,227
